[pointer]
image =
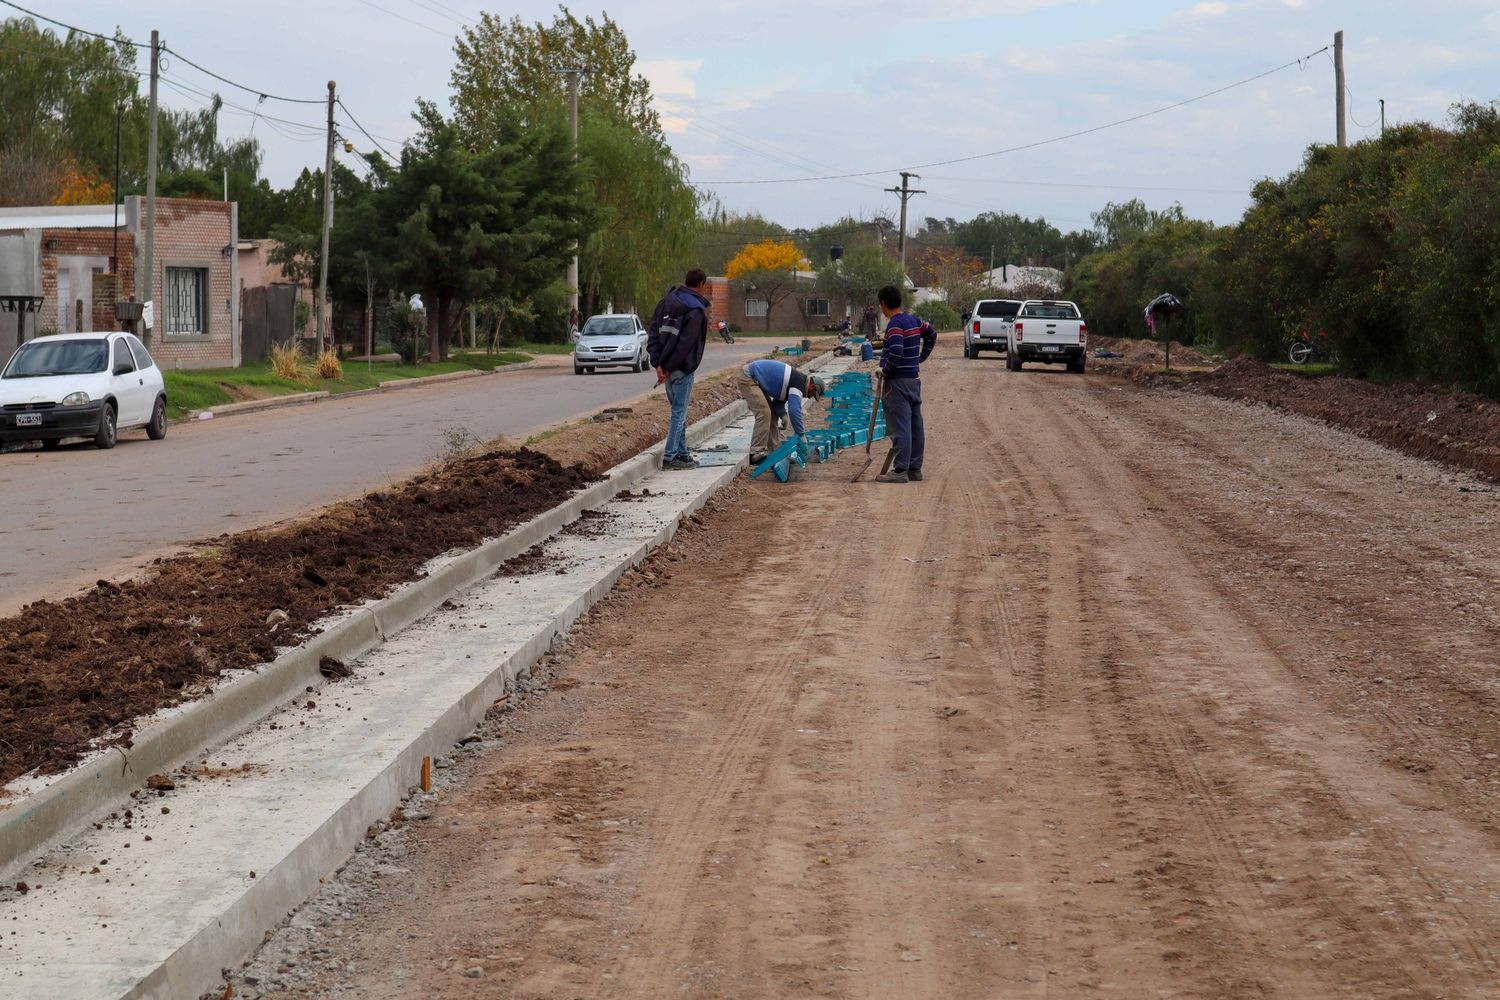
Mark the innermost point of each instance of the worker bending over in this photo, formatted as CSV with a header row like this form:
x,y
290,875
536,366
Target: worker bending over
x,y
774,389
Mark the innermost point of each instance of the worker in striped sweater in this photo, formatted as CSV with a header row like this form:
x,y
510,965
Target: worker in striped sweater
x,y
773,389
908,342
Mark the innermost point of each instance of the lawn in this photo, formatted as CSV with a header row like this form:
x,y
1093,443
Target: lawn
x,y
210,387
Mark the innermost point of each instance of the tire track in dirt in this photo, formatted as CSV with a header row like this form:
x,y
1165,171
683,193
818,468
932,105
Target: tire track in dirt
x,y
1215,797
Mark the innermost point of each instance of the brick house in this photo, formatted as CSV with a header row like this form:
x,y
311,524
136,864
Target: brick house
x,y
805,308
82,259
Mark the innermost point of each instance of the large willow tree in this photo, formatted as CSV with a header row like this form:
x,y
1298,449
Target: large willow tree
x,y
647,212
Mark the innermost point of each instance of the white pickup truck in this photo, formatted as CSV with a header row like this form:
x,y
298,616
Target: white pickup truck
x,y
989,326
1049,331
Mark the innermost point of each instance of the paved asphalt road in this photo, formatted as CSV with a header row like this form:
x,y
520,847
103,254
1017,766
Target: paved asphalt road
x,y
78,514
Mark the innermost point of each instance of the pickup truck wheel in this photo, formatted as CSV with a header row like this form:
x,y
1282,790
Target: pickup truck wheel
x,y
1013,361
1076,367
51,444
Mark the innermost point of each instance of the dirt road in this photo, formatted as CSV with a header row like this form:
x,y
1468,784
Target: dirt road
x,y
76,515
1138,694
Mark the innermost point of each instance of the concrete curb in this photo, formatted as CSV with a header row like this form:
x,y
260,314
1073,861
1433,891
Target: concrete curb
x,y
414,383
44,817
256,405
265,902
303,398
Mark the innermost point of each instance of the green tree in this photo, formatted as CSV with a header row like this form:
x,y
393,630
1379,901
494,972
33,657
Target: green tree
x,y
864,270
1116,225
59,98
513,65
490,224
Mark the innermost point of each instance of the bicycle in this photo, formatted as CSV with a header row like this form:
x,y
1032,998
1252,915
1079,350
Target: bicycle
x,y
1307,348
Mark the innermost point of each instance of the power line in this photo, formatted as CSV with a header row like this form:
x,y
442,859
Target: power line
x,y
240,86
1040,142
387,152
437,9
1093,187
71,27
420,24
25,50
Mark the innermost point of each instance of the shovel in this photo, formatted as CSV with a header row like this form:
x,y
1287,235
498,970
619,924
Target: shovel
x,y
870,437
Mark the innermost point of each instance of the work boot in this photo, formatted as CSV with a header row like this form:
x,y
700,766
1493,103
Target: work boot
x,y
915,475
757,459
893,477
682,462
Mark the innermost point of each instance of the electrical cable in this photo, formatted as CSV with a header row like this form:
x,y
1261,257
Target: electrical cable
x,y
420,24
70,27
1039,142
387,152
240,86
57,59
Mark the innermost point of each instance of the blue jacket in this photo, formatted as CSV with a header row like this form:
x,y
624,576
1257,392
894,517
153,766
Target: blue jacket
x,y
908,342
783,386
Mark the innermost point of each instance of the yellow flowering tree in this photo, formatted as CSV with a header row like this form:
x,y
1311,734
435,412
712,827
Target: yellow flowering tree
x,y
767,268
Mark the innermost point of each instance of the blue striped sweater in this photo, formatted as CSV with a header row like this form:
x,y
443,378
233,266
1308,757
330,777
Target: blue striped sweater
x,y
908,342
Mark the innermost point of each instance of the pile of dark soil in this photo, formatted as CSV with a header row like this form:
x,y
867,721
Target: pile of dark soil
x,y
1459,429
81,670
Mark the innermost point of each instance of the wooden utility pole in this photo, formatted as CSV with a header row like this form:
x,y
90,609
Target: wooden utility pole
x,y
1338,85
146,281
327,220
905,191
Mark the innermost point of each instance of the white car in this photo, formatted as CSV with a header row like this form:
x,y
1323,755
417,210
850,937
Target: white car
x,y
611,340
81,385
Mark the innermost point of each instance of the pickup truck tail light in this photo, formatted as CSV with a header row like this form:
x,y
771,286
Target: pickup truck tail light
x,y
1083,333
1019,335
976,326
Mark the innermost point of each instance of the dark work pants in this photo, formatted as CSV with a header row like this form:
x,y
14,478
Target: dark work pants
x,y
903,422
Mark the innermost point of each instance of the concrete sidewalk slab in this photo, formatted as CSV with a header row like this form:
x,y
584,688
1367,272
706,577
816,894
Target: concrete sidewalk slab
x,y
257,821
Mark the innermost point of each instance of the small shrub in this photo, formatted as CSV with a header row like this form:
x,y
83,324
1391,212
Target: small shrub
x,y
410,349
939,314
329,366
288,362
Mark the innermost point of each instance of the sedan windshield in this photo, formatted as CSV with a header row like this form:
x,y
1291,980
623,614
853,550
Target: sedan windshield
x,y
58,357
612,327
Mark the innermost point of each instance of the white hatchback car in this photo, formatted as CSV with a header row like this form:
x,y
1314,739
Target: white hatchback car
x,y
81,385
611,340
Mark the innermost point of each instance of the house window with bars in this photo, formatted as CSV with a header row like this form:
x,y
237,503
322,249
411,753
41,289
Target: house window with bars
x,y
756,307
817,307
187,298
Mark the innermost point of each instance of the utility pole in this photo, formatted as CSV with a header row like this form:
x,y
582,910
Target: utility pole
x,y
905,191
147,281
327,221
1338,84
573,73
1382,117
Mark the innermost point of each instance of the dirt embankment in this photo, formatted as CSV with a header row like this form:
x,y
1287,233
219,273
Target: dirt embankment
x,y
1151,353
77,672
1459,429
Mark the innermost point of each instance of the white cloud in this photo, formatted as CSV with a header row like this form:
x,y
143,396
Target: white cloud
x,y
1210,8
707,161
671,77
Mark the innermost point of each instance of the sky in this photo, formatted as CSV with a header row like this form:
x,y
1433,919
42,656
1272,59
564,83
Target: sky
x,y
769,90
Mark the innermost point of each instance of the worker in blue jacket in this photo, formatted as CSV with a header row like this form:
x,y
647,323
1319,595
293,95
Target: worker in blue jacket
x,y
774,389
908,342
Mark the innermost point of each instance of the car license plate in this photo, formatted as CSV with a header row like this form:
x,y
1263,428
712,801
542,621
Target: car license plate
x,y
1049,348
28,420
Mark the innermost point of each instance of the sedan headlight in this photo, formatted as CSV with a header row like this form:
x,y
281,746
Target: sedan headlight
x,y
76,399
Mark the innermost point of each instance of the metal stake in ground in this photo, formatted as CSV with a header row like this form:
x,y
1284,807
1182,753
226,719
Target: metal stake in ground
x,y
870,436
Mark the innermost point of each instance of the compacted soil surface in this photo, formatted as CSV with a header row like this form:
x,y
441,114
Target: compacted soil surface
x,y
1140,693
